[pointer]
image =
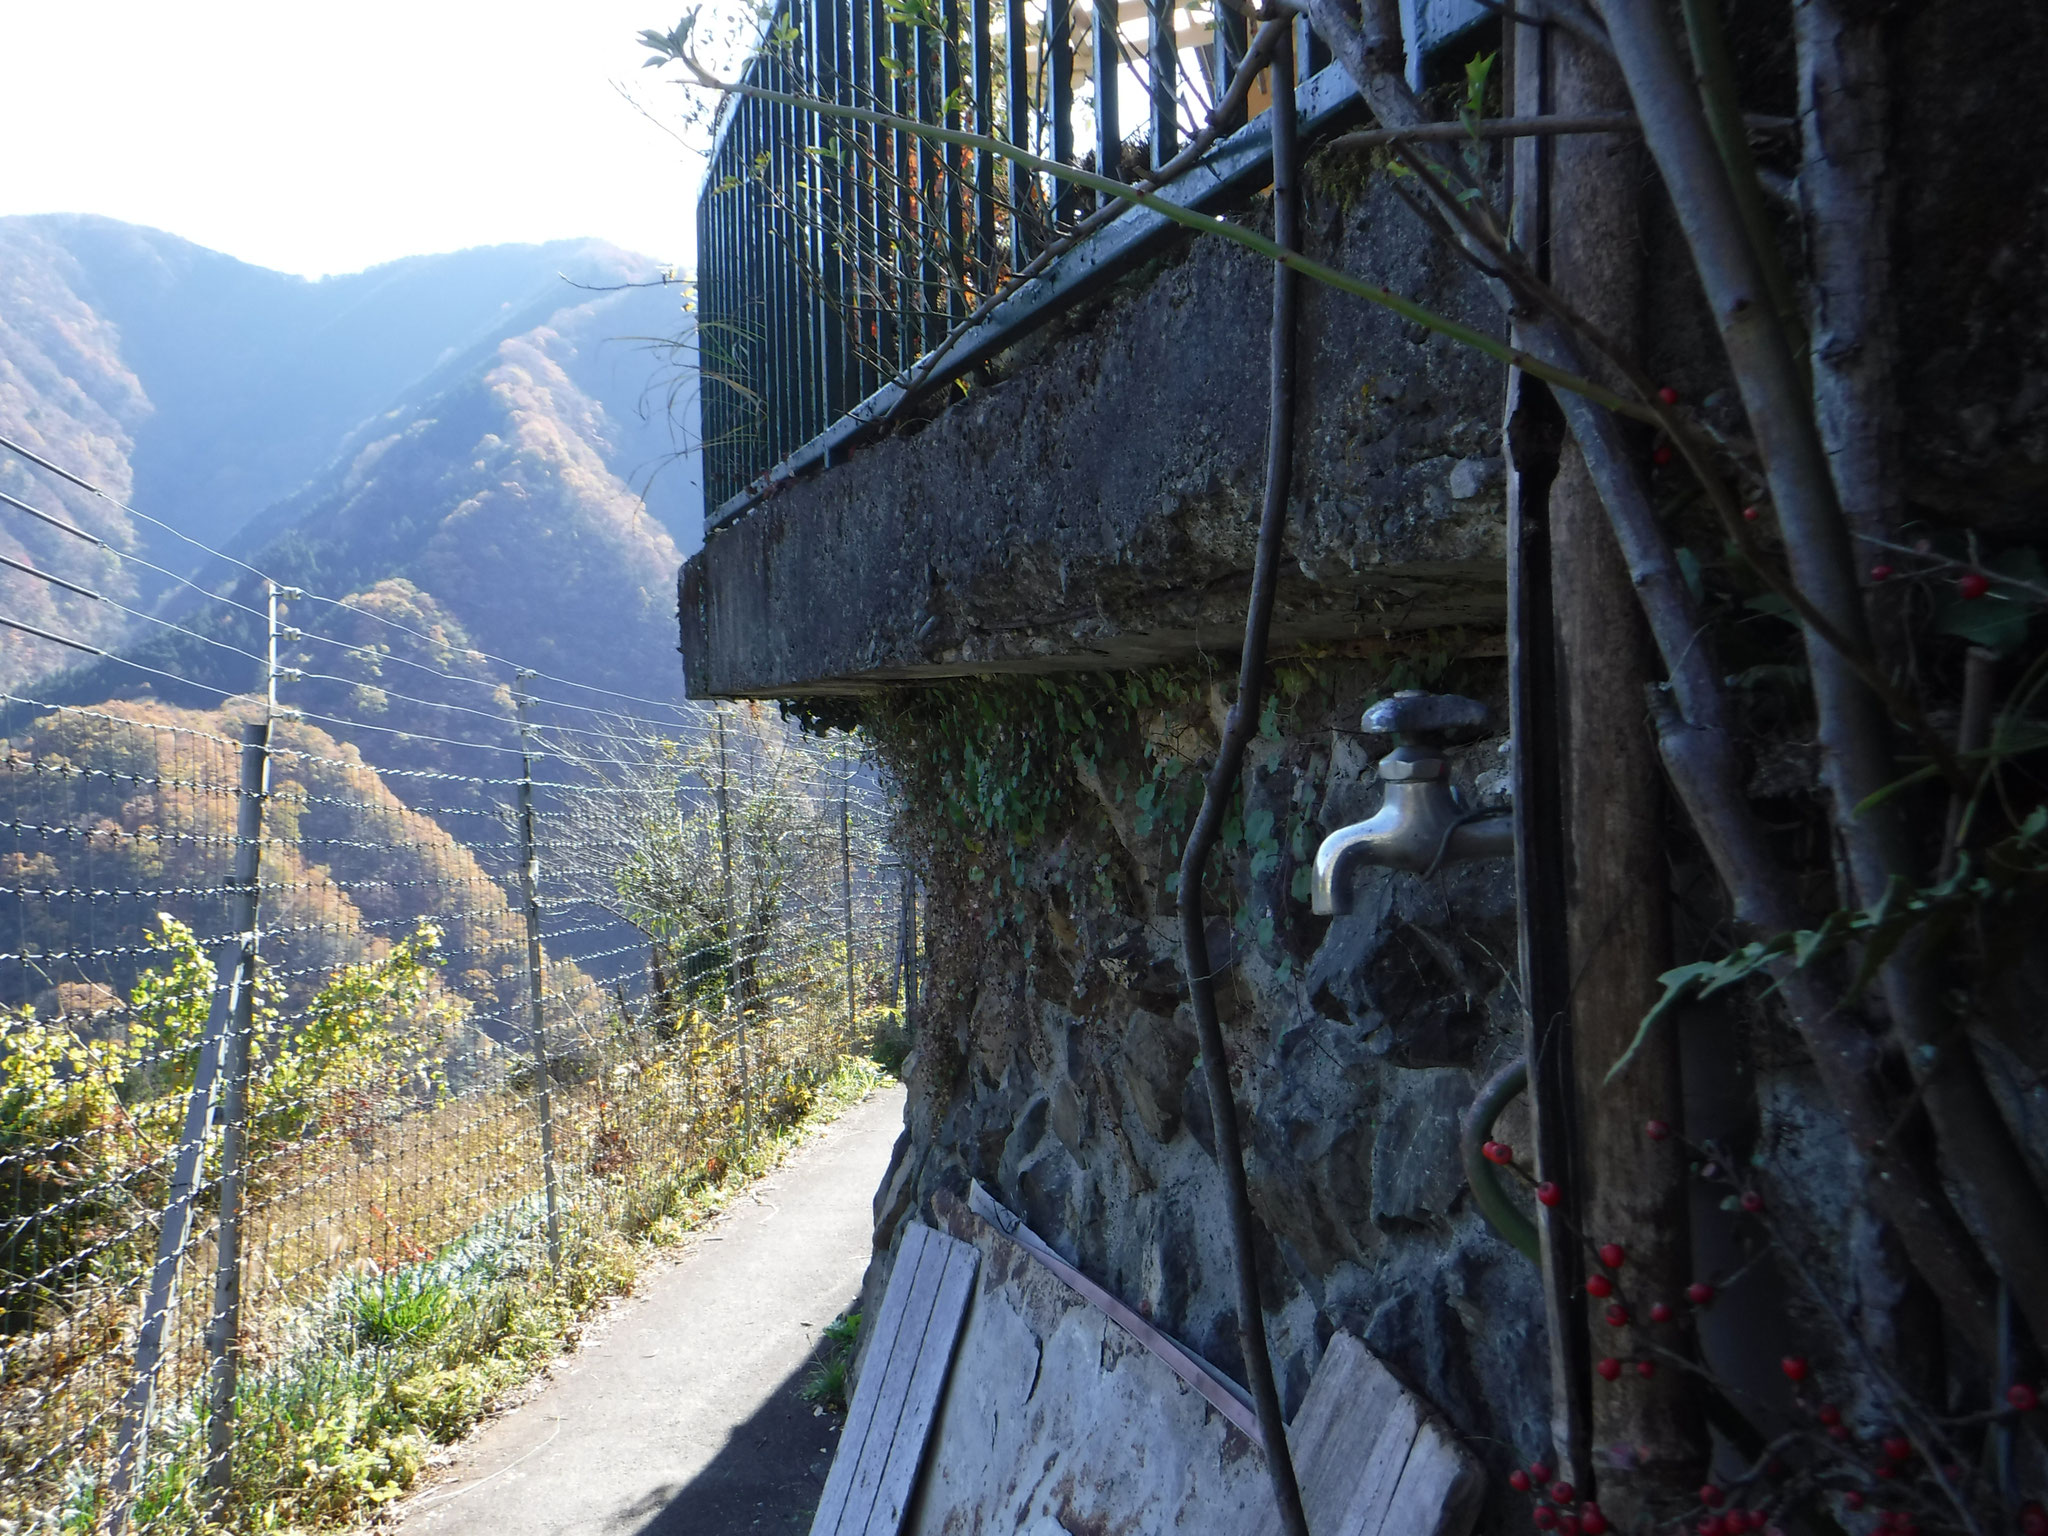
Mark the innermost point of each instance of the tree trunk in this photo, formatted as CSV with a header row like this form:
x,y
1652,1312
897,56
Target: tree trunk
x,y
1646,1433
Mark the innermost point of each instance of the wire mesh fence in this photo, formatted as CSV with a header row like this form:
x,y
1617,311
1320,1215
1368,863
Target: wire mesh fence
x,y
305,1060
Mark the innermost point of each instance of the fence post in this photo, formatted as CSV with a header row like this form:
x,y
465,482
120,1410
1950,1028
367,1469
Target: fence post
x,y
907,939
732,954
537,1024
233,968
224,1324
846,888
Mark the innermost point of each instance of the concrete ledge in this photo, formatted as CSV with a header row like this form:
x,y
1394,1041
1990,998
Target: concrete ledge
x,y
1097,507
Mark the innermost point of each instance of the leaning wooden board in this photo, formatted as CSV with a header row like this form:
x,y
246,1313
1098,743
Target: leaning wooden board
x,y
909,1354
1371,1460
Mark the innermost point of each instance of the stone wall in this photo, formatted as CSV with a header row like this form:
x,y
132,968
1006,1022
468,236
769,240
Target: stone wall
x,y
1095,504
1056,1060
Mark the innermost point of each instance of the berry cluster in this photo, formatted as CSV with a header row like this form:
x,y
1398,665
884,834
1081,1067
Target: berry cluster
x,y
1558,1507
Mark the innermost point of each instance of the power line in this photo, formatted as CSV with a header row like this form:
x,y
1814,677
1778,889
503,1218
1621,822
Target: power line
x,y
343,603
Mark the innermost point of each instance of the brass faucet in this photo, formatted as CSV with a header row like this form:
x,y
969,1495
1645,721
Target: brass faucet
x,y
1421,826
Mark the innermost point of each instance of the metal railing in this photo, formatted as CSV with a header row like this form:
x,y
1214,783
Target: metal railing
x,y
844,268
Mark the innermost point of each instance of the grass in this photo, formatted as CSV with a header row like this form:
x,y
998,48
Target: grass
x,y
351,1388
826,1385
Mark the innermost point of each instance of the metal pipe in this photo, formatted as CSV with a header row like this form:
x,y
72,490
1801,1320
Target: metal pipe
x,y
1164,50
1474,1132
1108,125
536,986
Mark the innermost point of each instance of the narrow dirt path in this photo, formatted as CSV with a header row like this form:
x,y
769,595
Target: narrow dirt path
x,y
681,1415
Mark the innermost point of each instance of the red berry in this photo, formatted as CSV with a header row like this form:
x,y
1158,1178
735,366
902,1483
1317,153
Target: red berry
x,y
1852,1500
1881,572
1884,1469
1756,1519
1613,1255
1518,1480
1548,1193
1828,1413
1668,395
1561,1492
1713,1525
1898,1447
1609,1369
1658,1130
1617,1316
2033,1519
1838,1431
1599,1285
1699,1293
1970,585
1646,1369
1539,1471
1752,1202
1593,1523
1498,1152
1660,1311
1544,1516
1568,1525
1711,1496
2023,1397
1794,1367
1750,514
1661,455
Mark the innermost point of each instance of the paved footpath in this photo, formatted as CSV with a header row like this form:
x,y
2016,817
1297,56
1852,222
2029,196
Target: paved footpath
x,y
681,1415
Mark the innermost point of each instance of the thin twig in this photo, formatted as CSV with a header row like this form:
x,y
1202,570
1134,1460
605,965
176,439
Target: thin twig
x,y
1524,128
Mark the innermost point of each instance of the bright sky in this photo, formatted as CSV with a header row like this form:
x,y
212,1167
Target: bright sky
x,y
327,138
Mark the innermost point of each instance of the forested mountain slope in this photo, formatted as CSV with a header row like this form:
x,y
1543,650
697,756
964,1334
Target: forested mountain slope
x,y
473,423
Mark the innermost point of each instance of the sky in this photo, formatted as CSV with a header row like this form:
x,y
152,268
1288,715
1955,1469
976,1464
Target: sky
x,y
327,138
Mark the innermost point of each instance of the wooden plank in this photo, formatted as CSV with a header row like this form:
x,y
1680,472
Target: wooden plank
x,y
1439,1492
1225,1396
860,1414
927,1384
1350,1404
1364,1508
892,1382
1370,1459
897,1397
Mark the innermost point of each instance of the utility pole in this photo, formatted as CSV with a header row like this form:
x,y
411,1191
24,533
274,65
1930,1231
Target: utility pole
x,y
732,953
234,970
846,885
224,1323
537,1025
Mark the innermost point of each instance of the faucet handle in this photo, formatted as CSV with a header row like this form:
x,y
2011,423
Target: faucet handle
x,y
1428,719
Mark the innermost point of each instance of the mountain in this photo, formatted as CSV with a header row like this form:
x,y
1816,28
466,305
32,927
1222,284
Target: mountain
x,y
474,425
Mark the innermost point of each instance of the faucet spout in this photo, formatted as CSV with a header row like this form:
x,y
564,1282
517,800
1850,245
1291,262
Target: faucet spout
x,y
1415,829
1419,825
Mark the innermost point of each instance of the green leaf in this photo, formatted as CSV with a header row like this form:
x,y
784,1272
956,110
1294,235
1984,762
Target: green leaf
x,y
1994,621
1689,570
